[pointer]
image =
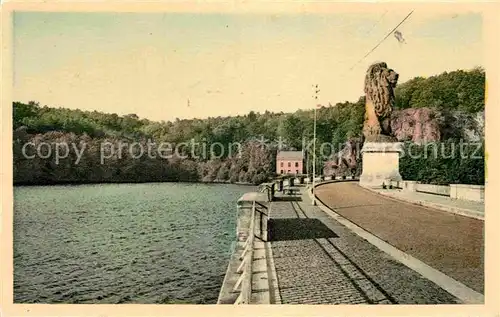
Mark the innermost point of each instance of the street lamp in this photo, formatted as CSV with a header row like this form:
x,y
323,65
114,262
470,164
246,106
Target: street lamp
x,y
316,91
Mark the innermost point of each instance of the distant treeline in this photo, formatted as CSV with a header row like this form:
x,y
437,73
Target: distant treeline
x,y
455,91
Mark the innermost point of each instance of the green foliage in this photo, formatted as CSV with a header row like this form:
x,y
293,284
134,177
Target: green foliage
x,y
458,90
443,163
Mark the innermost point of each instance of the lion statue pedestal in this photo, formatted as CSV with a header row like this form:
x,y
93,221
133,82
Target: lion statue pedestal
x,y
380,163
380,150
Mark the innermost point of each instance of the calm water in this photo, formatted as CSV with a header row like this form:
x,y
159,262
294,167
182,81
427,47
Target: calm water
x,y
123,243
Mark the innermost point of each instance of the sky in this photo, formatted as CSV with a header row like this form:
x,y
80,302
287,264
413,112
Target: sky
x,y
151,64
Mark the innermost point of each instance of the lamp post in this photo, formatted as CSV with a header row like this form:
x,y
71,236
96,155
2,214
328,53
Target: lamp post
x,y
316,91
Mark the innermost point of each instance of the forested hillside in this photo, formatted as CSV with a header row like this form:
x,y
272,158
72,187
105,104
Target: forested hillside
x,y
459,92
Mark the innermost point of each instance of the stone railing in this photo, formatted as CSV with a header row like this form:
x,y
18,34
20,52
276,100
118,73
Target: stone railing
x,y
244,282
308,180
456,191
467,192
246,271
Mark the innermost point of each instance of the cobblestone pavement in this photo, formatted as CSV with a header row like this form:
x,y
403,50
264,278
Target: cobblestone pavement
x,y
450,243
329,264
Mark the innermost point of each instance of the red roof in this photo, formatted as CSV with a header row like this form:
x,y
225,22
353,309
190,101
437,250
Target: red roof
x,y
290,155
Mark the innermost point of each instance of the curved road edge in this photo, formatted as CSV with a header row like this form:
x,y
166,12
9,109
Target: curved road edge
x,y
452,286
451,209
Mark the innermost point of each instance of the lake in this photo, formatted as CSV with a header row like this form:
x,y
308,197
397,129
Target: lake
x,y
123,243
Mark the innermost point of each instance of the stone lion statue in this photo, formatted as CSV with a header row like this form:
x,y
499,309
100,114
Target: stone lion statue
x,y
380,82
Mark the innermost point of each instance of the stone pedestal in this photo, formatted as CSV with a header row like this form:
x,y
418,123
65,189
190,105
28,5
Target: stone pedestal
x,y
280,185
244,215
410,186
380,163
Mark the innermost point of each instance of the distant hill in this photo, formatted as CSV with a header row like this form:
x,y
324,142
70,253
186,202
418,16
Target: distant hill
x,y
458,90
448,96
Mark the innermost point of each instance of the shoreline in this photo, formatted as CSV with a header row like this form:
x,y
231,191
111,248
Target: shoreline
x,y
77,183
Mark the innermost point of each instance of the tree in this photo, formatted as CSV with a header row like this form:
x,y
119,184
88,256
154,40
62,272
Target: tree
x,y
457,98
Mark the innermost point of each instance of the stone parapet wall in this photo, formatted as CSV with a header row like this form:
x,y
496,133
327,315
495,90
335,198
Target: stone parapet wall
x,y
434,189
467,192
455,191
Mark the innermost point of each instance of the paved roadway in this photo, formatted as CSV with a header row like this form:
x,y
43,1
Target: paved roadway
x,y
319,261
450,243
